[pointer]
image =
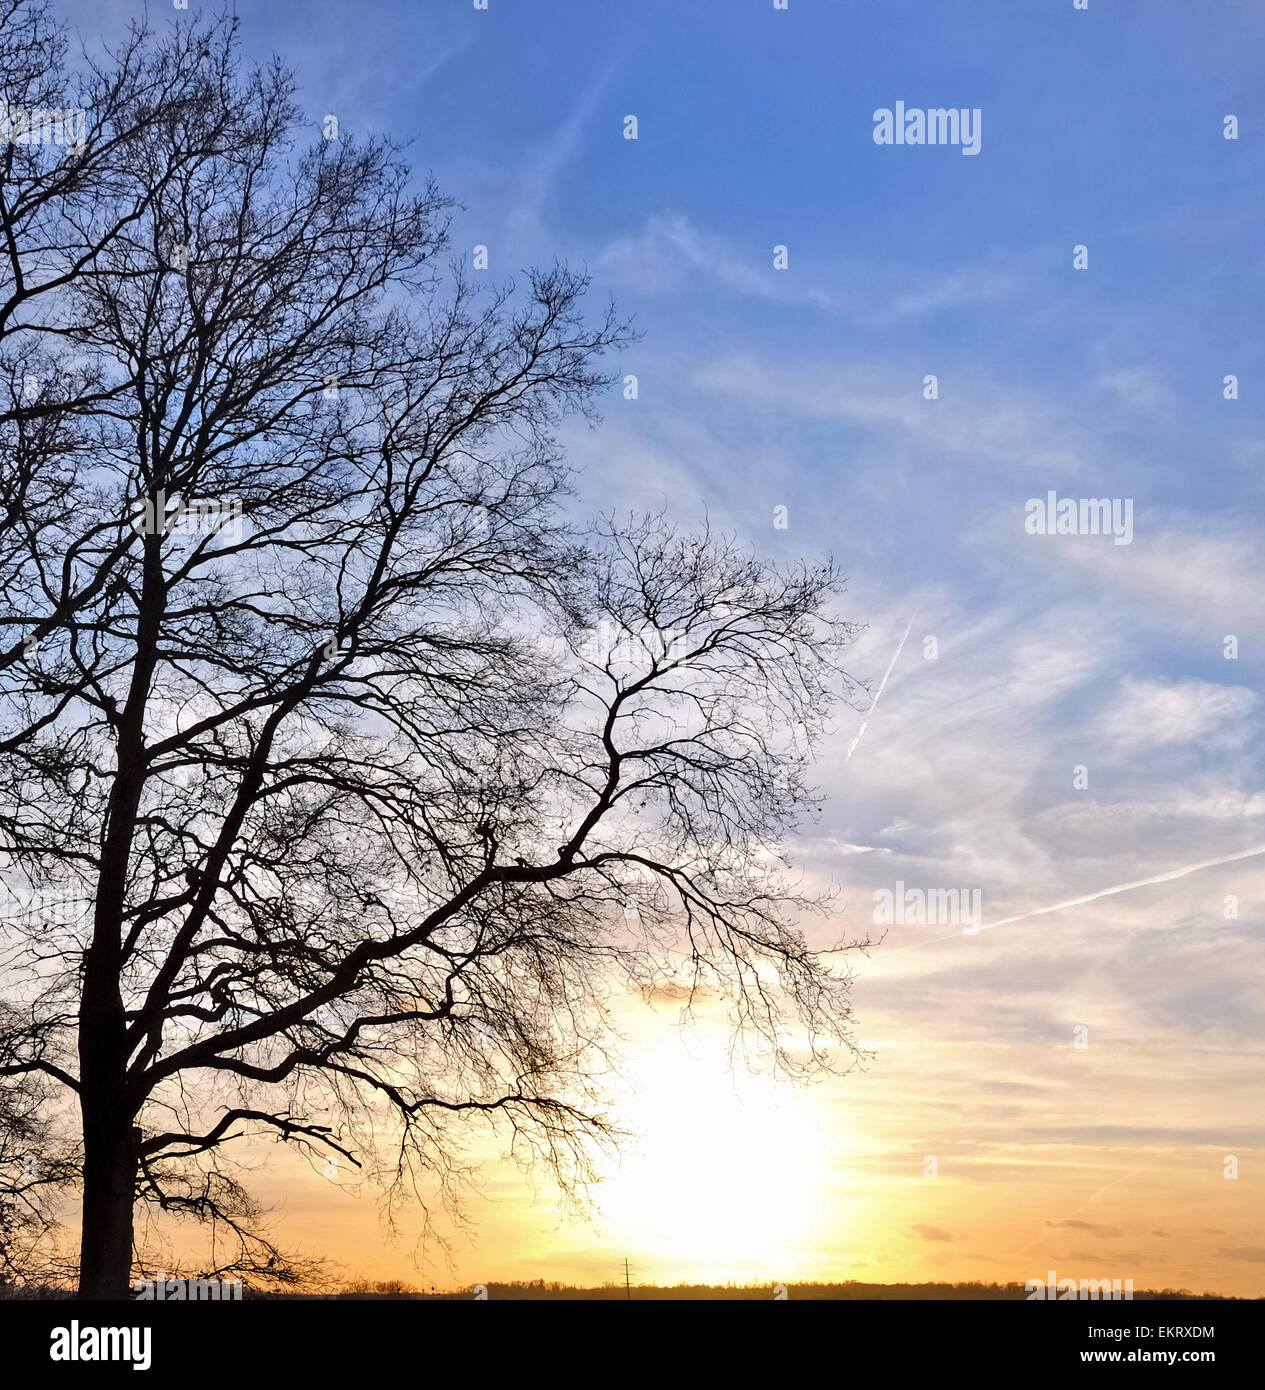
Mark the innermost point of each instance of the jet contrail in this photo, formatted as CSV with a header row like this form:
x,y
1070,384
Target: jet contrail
x,y
1126,887
879,692
1076,902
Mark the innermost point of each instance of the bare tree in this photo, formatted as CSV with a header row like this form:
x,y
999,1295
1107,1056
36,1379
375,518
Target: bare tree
x,y
36,1166
346,780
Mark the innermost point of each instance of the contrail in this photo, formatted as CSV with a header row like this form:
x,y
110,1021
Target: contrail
x,y
1127,887
878,694
1076,902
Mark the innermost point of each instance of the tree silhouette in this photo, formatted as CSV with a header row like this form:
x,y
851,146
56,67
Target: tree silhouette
x,y
35,1168
341,778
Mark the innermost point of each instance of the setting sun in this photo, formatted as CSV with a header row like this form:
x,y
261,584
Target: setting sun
x,y
723,1181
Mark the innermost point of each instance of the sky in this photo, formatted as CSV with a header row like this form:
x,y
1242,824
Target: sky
x,y
1061,715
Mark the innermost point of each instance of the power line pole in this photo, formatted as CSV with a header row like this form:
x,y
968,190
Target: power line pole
x,y
627,1281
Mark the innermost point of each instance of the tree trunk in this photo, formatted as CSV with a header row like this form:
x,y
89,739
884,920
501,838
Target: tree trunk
x,y
105,1250
110,1144
111,1147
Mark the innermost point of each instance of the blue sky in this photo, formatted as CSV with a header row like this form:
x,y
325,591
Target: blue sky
x,y
1102,128
803,388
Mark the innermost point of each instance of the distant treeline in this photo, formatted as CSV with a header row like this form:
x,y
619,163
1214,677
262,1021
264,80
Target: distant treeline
x,y
540,1289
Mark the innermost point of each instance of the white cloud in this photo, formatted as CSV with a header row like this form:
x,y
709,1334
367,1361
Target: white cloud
x,y
670,250
1155,712
1201,575
993,423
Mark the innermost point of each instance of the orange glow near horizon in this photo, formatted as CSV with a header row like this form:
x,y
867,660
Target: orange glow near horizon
x,y
965,1151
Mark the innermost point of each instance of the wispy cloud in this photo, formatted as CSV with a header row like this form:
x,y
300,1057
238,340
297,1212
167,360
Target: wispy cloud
x,y
1101,1231
991,422
544,164
1149,713
670,251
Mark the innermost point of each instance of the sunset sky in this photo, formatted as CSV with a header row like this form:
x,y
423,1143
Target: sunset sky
x,y
804,388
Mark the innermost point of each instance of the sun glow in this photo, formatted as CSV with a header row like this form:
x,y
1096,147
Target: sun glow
x,y
724,1179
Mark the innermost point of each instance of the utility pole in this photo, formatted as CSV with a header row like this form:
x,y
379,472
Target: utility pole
x,y
627,1281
